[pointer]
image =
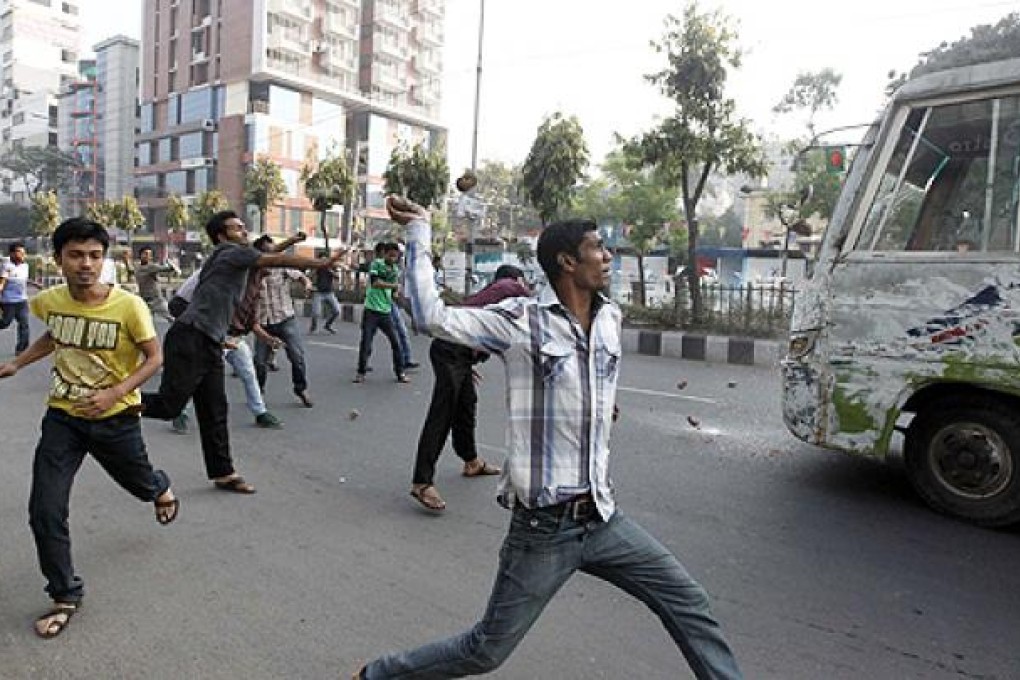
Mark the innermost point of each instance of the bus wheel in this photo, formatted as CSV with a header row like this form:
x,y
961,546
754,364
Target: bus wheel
x,y
964,459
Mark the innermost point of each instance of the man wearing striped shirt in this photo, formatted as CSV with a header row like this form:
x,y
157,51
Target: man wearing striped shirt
x,y
562,354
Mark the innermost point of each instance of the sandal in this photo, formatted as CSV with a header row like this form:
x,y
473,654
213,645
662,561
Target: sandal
x,y
429,498
402,378
235,484
56,619
485,468
166,511
359,378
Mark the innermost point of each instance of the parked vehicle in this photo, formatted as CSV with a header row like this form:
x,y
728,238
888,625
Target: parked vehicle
x,y
910,322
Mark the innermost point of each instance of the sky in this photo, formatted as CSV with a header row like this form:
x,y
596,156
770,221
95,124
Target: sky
x,y
587,58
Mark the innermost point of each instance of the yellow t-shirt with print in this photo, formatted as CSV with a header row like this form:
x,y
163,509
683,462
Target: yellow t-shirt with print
x,y
96,345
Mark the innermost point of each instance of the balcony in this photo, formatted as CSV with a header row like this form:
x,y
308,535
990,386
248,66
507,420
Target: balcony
x,y
390,49
289,42
388,79
336,24
199,57
428,65
433,7
392,17
332,59
205,23
301,10
429,34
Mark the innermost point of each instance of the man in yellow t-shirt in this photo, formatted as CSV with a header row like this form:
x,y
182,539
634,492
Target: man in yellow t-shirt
x,y
104,346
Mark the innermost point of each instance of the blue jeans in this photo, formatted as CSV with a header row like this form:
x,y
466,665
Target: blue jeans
x,y
240,360
286,330
16,311
541,551
327,298
371,321
116,444
401,329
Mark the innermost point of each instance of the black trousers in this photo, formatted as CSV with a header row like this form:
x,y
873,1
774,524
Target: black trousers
x,y
116,444
193,369
371,321
454,408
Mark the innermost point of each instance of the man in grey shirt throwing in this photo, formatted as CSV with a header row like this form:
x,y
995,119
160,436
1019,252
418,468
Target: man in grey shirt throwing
x,y
193,347
146,275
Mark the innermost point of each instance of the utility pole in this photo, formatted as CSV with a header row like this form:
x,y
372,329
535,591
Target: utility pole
x,y
469,254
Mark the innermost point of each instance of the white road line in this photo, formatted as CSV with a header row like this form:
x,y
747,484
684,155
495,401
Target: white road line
x,y
635,390
331,345
667,395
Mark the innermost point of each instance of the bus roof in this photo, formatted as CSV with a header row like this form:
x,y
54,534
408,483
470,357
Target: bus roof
x,y
960,80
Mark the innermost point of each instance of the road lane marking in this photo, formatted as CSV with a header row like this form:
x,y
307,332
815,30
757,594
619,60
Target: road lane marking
x,y
667,395
331,345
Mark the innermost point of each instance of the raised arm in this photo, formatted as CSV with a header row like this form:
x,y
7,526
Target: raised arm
x,y
491,330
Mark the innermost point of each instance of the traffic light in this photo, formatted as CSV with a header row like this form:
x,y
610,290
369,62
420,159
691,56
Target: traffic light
x,y
835,159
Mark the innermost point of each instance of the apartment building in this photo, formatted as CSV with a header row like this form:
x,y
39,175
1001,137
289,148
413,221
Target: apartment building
x,y
98,120
227,81
40,42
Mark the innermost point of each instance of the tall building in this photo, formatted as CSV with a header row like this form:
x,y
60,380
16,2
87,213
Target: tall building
x,y
98,120
40,41
224,83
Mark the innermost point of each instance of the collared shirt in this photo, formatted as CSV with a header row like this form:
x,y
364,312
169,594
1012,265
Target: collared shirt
x,y
561,382
275,303
381,299
147,278
15,278
219,289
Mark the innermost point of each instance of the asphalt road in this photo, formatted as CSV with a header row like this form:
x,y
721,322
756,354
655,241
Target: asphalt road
x,y
819,565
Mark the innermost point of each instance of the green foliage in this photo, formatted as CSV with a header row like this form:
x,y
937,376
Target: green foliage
x,y
178,217
726,230
811,92
499,188
328,182
41,168
263,187
555,164
420,174
986,42
15,220
45,213
207,204
811,171
123,214
703,134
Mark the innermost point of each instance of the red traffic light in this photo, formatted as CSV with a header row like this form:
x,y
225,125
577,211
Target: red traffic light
x,y
835,159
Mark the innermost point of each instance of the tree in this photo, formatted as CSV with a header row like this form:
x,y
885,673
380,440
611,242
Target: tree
x,y
207,204
703,134
40,168
811,92
178,217
420,174
102,212
45,213
15,220
986,42
263,187
327,183
555,164
507,212
128,216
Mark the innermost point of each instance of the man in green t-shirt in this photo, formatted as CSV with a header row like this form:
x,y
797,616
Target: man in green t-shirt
x,y
382,276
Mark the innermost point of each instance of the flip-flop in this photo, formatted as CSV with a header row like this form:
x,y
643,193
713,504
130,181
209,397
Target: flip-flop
x,y
56,625
484,469
172,507
431,501
235,484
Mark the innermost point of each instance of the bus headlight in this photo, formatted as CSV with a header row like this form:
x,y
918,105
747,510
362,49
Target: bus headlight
x,y
801,344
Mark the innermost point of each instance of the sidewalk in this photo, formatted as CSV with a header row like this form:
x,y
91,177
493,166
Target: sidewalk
x,y
672,344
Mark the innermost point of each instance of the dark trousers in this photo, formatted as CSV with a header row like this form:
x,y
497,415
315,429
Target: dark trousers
x,y
193,369
372,321
287,330
116,444
454,407
16,311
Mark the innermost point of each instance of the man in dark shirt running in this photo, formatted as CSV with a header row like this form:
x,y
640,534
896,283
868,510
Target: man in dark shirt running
x,y
192,348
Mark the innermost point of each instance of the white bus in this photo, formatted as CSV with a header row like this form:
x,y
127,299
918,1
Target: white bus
x,y
910,321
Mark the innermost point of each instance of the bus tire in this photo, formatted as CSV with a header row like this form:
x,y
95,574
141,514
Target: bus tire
x,y
963,459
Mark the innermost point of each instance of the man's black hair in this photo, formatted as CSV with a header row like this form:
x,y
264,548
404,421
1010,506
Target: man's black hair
x,y
79,229
387,247
144,248
14,246
507,271
561,238
217,225
262,241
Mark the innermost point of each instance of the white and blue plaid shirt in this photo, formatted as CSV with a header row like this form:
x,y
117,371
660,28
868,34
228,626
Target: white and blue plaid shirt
x,y
561,382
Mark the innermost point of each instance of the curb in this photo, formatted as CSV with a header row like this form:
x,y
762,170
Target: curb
x,y
719,349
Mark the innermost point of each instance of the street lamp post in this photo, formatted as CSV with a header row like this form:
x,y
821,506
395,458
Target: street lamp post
x,y
469,259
